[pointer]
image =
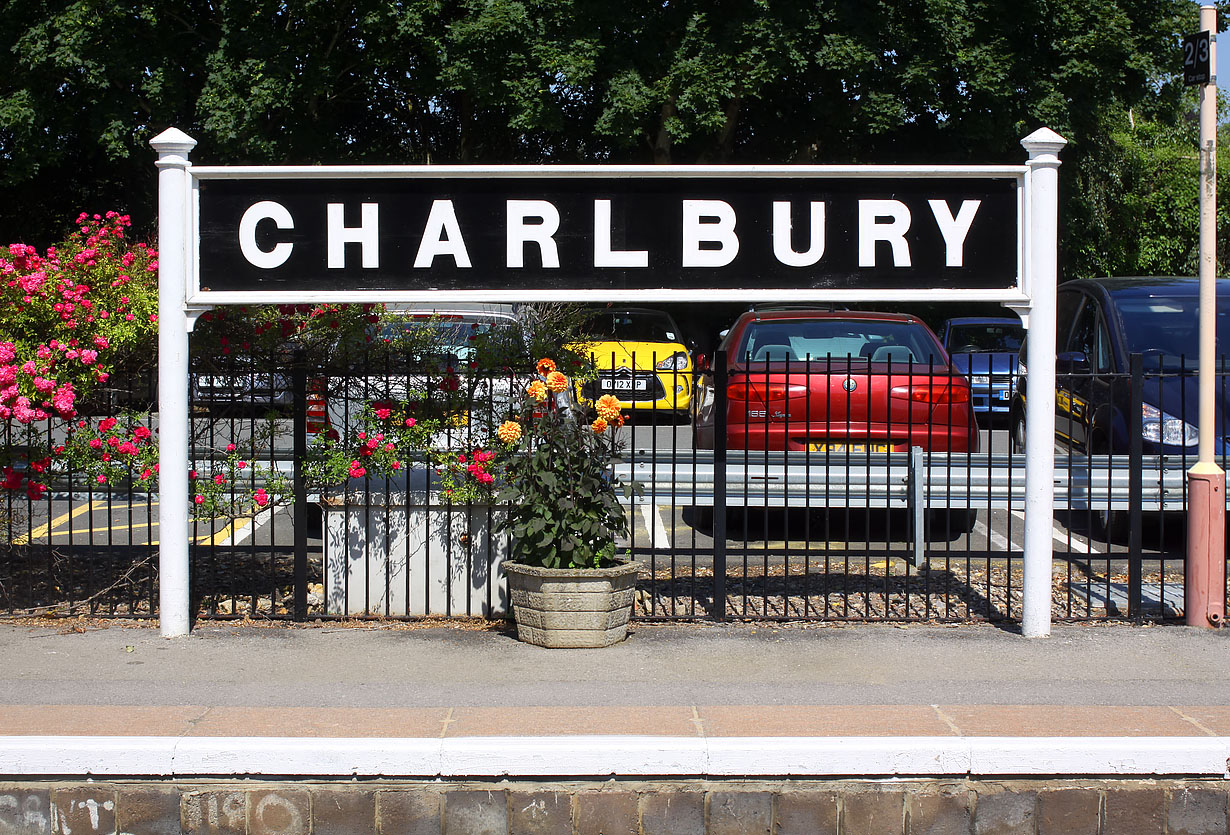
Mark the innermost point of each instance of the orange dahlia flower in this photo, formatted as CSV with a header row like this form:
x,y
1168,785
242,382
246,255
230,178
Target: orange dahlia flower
x,y
545,366
608,407
556,381
537,390
599,425
509,432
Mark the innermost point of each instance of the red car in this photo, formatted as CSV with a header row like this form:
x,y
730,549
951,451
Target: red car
x,y
838,382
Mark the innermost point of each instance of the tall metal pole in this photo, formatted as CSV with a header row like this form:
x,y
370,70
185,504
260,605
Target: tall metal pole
x,y
174,230
1205,575
1042,273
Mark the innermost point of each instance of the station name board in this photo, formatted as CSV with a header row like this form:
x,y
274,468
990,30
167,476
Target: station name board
x,y
591,235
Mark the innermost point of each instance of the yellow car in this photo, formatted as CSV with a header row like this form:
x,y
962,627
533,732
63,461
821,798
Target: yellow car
x,y
642,359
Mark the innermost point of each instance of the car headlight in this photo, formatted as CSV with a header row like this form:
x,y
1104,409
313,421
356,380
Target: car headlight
x,y
1159,427
980,380
676,362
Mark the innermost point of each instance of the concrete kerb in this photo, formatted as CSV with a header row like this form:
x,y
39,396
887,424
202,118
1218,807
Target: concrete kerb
x,y
581,757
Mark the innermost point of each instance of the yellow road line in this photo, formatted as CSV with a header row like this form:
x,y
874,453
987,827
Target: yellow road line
x,y
218,538
228,532
42,530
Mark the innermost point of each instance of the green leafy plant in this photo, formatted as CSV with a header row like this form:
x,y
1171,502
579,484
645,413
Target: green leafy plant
x,y
562,497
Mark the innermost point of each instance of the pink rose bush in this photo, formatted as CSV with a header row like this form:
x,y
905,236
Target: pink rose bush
x,y
68,316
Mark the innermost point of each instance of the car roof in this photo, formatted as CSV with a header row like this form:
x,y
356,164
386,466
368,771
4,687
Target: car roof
x,y
600,310
493,309
820,313
983,320
1141,286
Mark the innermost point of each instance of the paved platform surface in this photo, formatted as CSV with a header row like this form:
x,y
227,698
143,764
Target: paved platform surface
x,y
685,681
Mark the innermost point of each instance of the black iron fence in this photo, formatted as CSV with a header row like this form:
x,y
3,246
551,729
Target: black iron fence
x,y
759,500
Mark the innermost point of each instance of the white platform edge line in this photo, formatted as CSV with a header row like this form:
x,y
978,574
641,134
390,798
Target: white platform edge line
x,y
603,756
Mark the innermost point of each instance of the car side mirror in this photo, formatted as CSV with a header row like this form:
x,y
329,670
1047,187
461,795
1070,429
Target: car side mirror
x,y
1071,362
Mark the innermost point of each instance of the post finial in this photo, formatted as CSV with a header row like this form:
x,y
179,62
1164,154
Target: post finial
x,y
1043,142
173,142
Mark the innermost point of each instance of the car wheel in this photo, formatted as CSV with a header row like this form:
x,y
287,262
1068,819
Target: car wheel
x,y
1017,432
701,517
1114,526
951,524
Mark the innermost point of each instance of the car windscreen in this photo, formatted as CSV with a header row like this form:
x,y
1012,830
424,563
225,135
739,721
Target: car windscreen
x,y
633,326
1166,328
969,339
817,339
449,336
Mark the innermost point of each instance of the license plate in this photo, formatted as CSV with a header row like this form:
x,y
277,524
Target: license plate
x,y
853,449
624,384
1005,395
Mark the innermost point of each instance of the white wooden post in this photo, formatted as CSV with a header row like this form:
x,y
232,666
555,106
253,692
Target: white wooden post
x,y
1041,274
174,235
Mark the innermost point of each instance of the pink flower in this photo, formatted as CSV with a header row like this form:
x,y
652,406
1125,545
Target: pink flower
x,y
383,414
261,498
62,400
7,351
199,499
230,447
219,479
89,357
102,479
410,421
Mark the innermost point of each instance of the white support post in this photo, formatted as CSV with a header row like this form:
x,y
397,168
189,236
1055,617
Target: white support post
x,y
1042,271
174,230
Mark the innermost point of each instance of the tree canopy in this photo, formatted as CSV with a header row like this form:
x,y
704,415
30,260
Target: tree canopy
x,y
84,84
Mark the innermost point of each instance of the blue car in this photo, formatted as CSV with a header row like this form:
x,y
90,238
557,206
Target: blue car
x,y
1100,323
985,349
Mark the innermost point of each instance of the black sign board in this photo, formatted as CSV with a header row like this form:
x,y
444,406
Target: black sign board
x,y
1197,63
598,234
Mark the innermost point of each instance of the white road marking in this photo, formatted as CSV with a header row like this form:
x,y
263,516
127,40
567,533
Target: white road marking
x,y
1068,539
655,528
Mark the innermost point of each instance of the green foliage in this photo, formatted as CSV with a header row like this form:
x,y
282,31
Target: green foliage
x,y
85,84
563,501
1147,180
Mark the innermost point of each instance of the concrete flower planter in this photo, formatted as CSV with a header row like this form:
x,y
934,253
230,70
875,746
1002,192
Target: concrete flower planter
x,y
399,549
571,607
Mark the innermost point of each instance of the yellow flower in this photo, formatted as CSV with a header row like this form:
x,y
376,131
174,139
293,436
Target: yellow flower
x,y
537,390
509,432
556,381
599,425
608,407
545,366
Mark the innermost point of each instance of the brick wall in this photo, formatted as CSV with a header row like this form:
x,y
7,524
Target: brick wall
x,y
675,807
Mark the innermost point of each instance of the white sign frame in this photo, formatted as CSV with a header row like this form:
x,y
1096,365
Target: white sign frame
x,y
1017,295
179,303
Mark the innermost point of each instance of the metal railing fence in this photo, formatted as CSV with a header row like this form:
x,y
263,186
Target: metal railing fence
x,y
820,510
